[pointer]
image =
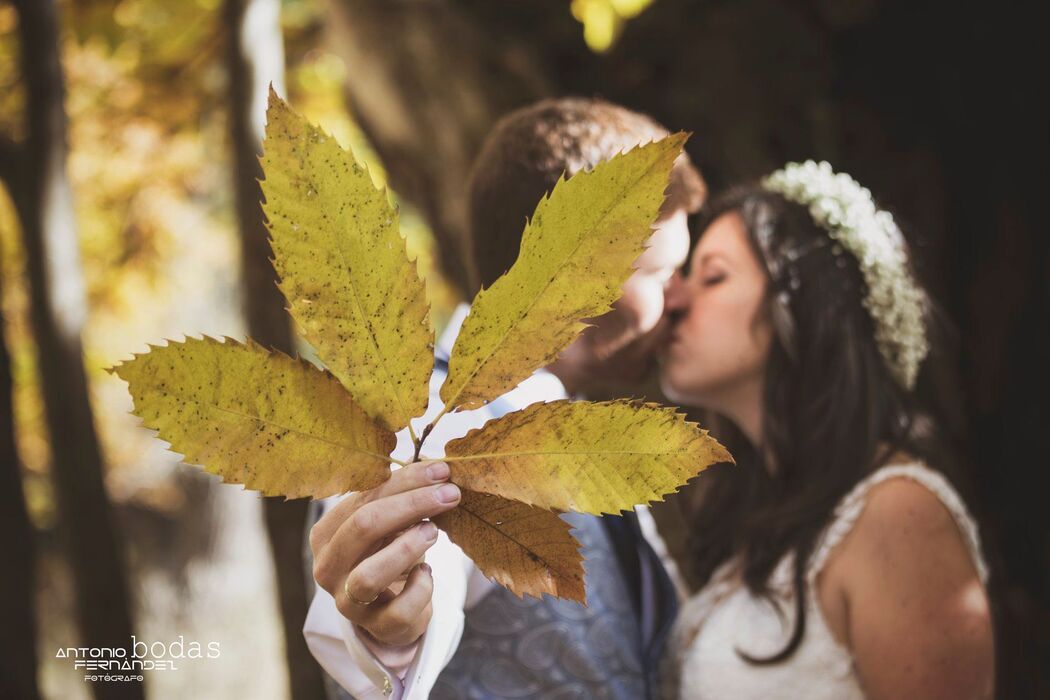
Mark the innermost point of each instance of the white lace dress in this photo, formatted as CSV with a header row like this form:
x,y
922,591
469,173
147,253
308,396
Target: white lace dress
x,y
724,617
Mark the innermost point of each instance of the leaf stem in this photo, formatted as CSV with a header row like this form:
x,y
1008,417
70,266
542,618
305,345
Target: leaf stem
x,y
444,410
423,438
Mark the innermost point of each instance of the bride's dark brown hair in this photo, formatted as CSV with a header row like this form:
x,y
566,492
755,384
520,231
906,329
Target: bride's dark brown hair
x,y
832,412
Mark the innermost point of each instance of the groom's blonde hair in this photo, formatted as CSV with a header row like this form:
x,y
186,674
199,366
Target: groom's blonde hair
x,y
529,149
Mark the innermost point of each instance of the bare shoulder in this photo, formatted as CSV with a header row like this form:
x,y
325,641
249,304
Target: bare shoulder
x,y
901,511
898,517
907,535
918,617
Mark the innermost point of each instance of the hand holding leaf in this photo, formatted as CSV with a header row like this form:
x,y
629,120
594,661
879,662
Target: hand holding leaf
x,y
282,426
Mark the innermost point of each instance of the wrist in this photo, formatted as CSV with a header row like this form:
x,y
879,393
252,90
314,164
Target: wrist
x,y
396,657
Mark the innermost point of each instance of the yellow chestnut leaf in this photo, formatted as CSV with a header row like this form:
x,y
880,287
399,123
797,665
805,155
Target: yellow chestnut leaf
x,y
576,253
257,417
344,271
587,457
528,550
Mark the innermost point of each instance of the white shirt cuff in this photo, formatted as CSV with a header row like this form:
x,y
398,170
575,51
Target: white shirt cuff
x,y
332,638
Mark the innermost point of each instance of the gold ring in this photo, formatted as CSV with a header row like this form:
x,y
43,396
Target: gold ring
x,y
352,599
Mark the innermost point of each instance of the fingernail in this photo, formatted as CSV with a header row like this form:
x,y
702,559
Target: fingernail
x,y
449,493
429,531
437,471
426,567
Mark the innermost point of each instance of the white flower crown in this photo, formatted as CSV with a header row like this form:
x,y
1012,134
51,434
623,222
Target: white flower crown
x,y
839,204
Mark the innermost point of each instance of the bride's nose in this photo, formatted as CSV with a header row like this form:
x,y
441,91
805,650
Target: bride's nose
x,y
676,294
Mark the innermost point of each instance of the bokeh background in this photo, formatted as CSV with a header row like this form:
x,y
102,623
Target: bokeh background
x,y
129,213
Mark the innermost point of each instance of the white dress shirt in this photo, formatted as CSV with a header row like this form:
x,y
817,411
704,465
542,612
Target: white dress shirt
x,y
458,584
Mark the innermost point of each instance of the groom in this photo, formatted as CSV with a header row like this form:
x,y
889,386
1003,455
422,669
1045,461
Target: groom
x,y
445,631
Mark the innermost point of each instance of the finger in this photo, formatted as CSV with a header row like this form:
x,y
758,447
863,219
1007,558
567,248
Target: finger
x,y
364,531
376,573
415,475
360,612
404,619
377,522
412,477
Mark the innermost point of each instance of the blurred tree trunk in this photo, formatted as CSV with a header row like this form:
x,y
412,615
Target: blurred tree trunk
x,y
18,543
425,86
255,58
42,198
929,103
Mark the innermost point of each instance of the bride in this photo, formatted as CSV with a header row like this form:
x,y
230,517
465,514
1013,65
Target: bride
x,y
839,560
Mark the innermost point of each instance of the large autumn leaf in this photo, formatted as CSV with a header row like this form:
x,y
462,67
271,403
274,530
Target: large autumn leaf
x,y
282,426
527,549
257,417
587,457
344,271
576,253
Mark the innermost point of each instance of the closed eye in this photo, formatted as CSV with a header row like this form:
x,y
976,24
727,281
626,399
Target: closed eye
x,y
712,280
